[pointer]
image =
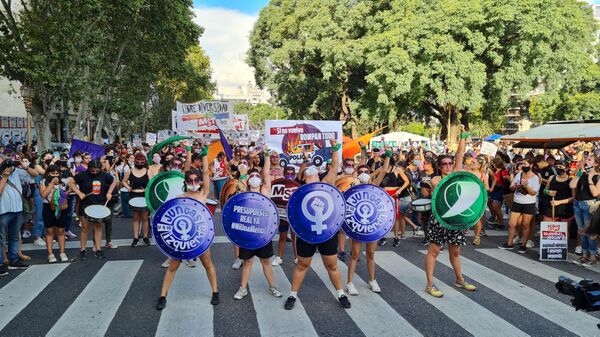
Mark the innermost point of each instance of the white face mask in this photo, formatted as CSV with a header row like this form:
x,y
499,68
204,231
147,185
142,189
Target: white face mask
x,y
156,160
349,170
364,178
311,171
242,167
193,188
176,170
254,181
25,163
78,160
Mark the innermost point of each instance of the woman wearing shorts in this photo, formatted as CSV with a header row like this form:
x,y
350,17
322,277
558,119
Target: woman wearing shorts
x,y
561,195
53,191
395,179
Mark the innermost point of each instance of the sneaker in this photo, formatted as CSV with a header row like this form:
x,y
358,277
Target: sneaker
x,y
374,286
396,242
134,243
3,269
17,265
214,300
434,291
581,261
64,257
342,256
483,233
191,263
70,235
146,241
530,244
345,302
276,261
382,241
522,249
166,263
289,303
351,289
39,242
26,234
241,293
418,232
162,303
237,263
578,250
99,254
276,293
505,246
465,285
476,241
51,258
516,240
288,239
82,255
425,242
590,264
500,228
110,245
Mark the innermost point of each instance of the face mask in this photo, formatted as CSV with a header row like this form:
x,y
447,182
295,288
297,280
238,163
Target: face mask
x,y
193,188
156,160
364,178
417,162
78,160
254,181
131,162
25,163
243,167
311,171
560,171
48,161
176,170
289,176
349,170
526,169
138,166
94,175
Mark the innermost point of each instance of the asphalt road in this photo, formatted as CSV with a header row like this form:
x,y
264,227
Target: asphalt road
x,y
117,296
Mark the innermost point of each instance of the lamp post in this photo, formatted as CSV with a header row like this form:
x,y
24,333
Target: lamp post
x,y
27,95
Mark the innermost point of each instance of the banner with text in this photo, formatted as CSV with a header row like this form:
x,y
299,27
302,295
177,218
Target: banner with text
x,y
553,241
289,138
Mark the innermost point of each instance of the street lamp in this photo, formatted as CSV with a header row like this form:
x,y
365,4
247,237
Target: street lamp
x,y
27,95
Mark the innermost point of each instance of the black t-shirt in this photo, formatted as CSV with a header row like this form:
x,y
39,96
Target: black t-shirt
x,y
583,188
98,187
546,173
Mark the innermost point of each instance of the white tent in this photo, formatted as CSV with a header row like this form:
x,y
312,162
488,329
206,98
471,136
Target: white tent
x,y
398,139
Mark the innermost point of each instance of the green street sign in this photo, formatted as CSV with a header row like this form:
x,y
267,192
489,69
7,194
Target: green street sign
x,y
164,186
459,201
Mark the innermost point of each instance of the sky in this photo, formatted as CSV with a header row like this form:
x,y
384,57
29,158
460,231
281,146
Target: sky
x,y
227,25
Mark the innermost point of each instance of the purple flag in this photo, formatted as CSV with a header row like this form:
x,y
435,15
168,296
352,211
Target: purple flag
x,y
226,147
96,151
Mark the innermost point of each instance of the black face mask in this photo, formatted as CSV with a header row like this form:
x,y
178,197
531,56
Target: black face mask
x,y
560,171
48,161
526,169
137,166
93,175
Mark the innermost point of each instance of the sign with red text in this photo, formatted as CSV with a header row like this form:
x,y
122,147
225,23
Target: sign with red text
x,y
553,241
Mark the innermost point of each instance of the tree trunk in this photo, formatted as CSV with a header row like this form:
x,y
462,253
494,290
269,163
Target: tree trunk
x,y
449,121
78,131
41,122
100,125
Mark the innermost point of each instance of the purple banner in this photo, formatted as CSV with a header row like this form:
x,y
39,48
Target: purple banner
x,y
96,151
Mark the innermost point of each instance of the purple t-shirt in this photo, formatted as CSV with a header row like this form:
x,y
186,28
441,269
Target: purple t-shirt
x,y
80,169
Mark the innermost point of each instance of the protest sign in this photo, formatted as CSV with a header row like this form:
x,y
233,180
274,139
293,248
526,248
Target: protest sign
x,y
489,149
151,138
553,241
289,138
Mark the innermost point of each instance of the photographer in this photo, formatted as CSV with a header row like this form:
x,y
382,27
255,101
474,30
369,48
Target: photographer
x,y
11,212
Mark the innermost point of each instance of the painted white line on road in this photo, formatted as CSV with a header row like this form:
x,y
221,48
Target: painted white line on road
x,y
272,319
23,289
93,310
531,266
188,311
553,310
369,308
458,307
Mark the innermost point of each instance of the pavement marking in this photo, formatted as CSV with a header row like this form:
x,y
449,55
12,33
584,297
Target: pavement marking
x,y
93,310
458,307
369,307
570,258
272,319
531,266
553,310
23,289
188,311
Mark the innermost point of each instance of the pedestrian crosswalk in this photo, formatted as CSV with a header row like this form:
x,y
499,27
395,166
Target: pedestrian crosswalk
x,y
93,311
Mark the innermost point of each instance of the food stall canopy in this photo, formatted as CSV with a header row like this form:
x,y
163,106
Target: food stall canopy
x,y
397,139
554,135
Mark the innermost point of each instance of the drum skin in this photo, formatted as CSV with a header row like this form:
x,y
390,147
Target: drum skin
x,y
344,183
96,213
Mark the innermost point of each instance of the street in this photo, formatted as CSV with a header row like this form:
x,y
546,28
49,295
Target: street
x,y
117,296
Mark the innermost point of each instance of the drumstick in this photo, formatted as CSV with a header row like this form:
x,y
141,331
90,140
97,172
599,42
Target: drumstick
x,y
106,202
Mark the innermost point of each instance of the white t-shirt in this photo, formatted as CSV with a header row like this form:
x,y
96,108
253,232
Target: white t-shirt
x,y
534,183
10,198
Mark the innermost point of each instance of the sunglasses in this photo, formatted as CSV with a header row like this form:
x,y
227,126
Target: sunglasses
x,y
446,163
176,165
363,171
191,181
349,165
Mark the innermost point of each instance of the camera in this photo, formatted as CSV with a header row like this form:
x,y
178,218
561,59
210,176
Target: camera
x,y
8,163
585,294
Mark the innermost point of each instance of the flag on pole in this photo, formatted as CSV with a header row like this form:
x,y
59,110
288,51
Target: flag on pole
x,y
226,146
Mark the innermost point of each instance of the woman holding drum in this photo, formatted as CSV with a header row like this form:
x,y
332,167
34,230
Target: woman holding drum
x,y
135,181
197,187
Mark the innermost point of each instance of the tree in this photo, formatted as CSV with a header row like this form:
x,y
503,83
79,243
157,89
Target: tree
x,y
259,113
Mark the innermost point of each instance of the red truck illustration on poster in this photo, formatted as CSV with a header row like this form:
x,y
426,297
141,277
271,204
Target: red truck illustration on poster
x,y
291,138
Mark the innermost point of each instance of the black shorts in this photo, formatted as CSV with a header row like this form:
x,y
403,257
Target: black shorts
x,y
265,252
523,208
284,226
326,248
50,219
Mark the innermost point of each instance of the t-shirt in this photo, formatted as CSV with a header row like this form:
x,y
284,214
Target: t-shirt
x,y
10,198
98,187
521,196
582,191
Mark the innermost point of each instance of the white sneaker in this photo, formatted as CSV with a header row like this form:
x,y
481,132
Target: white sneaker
x,y
530,244
374,286
351,290
273,291
419,232
191,263
242,293
166,263
296,261
276,261
237,263
39,242
63,257
26,234
578,250
51,258
516,240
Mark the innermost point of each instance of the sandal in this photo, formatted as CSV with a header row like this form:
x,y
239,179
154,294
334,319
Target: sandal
x,y
581,261
23,257
465,285
434,291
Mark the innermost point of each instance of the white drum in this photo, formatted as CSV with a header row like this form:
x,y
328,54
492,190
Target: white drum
x,y
97,213
138,204
421,205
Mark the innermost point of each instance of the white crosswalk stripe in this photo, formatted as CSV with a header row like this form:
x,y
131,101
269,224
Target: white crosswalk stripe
x,y
556,311
455,305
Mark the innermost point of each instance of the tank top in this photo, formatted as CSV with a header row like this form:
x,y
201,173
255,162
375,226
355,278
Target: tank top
x,y
138,183
583,192
394,180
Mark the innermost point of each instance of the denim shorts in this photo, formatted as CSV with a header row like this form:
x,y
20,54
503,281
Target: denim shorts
x,y
404,205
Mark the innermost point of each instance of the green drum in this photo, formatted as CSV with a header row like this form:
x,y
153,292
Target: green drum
x,y
164,186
